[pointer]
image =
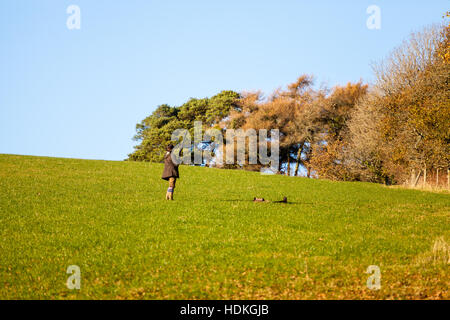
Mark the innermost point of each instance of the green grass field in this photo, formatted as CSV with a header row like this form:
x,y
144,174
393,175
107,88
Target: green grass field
x,y
212,242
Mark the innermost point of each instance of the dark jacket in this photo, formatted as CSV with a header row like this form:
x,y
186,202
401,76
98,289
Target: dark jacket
x,y
170,169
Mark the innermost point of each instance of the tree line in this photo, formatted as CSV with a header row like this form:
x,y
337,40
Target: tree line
x,y
393,131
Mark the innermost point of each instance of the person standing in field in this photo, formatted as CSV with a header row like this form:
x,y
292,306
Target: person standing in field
x,y
170,172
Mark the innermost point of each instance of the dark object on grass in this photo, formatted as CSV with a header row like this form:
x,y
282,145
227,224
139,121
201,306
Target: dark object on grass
x,y
262,200
282,201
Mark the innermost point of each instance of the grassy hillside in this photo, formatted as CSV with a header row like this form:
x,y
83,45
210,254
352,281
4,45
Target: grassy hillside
x,y
212,242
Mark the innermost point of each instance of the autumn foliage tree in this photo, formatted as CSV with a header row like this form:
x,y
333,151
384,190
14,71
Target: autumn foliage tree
x,y
329,157
403,127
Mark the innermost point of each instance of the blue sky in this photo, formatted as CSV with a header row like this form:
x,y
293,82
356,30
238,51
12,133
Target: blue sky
x,y
80,93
